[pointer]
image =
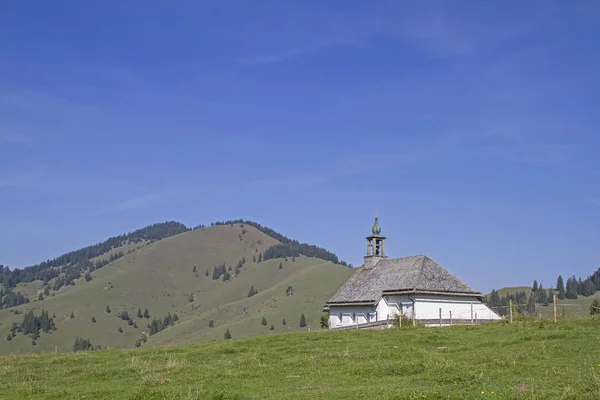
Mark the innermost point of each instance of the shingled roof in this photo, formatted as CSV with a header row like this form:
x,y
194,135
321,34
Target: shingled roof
x,y
414,274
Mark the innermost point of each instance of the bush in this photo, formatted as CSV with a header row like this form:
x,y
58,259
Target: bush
x,y
595,307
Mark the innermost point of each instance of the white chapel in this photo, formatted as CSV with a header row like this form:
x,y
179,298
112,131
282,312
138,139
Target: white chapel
x,y
415,286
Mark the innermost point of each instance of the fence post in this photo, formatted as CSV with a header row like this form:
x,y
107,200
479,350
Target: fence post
x,y
450,317
471,313
400,320
475,318
440,317
554,299
510,309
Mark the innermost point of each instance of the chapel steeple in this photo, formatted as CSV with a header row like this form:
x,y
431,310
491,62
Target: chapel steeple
x,y
375,245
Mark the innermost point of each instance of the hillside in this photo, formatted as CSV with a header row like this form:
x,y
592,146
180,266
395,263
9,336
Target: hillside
x,y
566,308
503,361
158,276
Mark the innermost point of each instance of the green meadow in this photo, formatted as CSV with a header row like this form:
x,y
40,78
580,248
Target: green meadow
x,y
523,360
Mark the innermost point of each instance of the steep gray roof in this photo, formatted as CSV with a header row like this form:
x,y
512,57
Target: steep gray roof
x,y
414,273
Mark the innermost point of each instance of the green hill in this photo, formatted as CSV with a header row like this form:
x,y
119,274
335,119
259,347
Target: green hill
x,y
523,360
158,275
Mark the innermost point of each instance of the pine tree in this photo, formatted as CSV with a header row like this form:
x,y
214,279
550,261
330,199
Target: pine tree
x,y
227,334
139,313
146,314
130,322
40,297
72,315
560,286
194,270
120,330
88,276
264,321
135,324
9,337
243,260
535,286
206,273
495,301
226,276
94,320
252,291
589,288
46,291
272,328
302,321
138,343
107,309
571,292
283,322
211,324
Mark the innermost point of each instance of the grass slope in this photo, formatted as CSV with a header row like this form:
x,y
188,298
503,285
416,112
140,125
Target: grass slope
x,y
565,308
503,361
158,276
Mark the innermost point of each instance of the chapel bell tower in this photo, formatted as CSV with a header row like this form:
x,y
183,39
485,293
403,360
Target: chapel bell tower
x,y
375,246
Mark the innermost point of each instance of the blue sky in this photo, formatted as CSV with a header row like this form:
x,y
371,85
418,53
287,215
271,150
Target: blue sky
x,y
471,126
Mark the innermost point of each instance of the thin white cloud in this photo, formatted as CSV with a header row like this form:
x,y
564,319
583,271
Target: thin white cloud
x,y
290,53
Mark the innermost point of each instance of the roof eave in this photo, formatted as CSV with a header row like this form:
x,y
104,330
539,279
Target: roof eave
x,y
440,292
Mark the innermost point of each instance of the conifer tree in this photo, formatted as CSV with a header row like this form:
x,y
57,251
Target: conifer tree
x,y
227,334
571,292
589,288
139,313
535,286
40,297
243,260
280,265
302,321
94,320
107,309
560,287
194,270
283,322
264,321
206,273
72,315
88,276
120,330
211,324
252,291
9,337
272,328
146,314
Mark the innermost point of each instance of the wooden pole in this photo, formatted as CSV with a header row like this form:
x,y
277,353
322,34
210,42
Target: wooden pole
x,y
475,318
414,313
510,310
440,317
471,313
450,317
400,320
555,316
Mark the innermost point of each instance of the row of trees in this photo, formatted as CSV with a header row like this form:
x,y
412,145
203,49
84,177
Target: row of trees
x,y
48,269
305,249
32,325
157,325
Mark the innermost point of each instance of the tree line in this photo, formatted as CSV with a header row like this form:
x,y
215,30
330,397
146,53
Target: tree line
x,y
47,270
32,325
304,249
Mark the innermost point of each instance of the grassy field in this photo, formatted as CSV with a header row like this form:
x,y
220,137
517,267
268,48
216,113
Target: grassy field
x,y
525,360
158,276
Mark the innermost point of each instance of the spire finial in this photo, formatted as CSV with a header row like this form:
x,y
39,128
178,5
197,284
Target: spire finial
x,y
376,228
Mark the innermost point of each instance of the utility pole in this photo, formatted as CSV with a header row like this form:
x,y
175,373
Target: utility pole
x,y
440,317
510,309
555,316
